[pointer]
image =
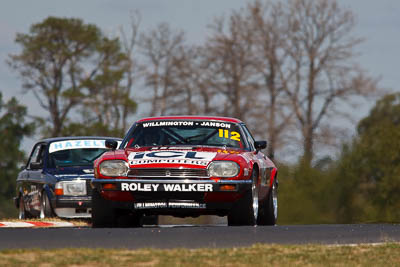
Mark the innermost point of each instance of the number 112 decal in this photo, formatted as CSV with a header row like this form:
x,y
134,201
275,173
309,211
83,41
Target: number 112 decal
x,y
223,133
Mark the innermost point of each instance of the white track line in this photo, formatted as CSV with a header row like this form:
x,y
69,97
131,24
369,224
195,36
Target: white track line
x,y
34,224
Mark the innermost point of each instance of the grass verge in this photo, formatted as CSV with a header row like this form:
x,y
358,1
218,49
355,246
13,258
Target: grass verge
x,y
258,255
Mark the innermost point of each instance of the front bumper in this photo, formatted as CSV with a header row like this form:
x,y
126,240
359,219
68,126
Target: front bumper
x,y
172,197
72,206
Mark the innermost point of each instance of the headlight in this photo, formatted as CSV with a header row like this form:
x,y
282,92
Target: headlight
x,y
114,168
71,188
223,169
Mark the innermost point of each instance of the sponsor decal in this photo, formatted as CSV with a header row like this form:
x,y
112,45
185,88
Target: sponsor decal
x,y
187,123
76,144
215,124
171,156
172,148
263,172
187,205
167,123
141,187
228,151
229,134
151,205
171,205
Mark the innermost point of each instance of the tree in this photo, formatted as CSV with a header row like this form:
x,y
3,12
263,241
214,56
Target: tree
x,y
320,42
108,102
287,68
368,171
65,62
13,128
175,74
229,64
271,62
191,97
134,68
161,47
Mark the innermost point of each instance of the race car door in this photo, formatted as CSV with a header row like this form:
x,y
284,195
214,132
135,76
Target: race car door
x,y
35,178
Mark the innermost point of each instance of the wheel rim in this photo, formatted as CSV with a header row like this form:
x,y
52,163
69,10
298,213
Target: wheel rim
x,y
21,213
42,207
254,192
275,200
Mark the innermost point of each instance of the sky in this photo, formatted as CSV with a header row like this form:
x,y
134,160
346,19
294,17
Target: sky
x,y
378,22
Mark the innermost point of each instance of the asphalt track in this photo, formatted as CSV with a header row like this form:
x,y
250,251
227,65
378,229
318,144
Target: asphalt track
x,y
196,236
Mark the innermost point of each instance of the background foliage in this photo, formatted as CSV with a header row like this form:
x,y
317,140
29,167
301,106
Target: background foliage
x,y
13,127
362,185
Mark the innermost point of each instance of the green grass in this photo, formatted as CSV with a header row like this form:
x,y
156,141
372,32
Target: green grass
x,y
387,254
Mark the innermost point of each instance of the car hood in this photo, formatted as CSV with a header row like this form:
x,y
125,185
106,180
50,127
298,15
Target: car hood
x,y
68,173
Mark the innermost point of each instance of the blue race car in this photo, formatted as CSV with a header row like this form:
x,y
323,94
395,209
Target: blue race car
x,y
56,179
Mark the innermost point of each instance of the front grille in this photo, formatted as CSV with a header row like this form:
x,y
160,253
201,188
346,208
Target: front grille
x,y
168,173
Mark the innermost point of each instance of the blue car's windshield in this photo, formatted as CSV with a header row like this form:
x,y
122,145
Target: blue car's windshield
x,y
69,153
75,157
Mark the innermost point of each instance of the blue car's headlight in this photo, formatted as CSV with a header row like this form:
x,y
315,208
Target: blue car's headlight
x,y
114,168
223,169
71,188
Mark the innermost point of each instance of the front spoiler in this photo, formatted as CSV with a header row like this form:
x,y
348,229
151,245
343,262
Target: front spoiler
x,y
72,206
72,202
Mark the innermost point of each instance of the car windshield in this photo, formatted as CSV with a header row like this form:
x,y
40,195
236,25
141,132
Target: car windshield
x,y
193,133
75,152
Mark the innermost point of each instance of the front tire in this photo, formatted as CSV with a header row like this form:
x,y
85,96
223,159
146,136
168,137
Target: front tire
x,y
245,211
269,209
45,208
21,209
103,215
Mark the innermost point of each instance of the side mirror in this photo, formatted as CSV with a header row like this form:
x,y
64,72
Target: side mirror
x,y
111,144
260,145
36,165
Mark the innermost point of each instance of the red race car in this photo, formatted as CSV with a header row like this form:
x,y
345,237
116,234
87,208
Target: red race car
x,y
185,166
